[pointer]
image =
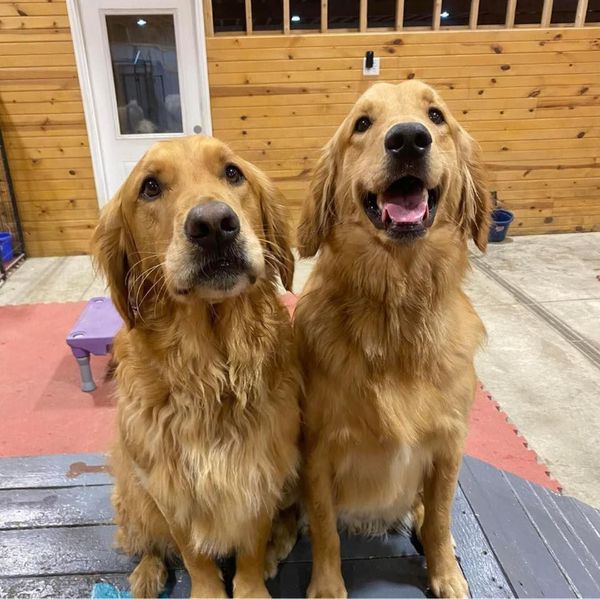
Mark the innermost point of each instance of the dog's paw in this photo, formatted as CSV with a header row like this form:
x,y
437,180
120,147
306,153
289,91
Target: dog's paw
x,y
148,578
451,585
271,566
279,548
327,588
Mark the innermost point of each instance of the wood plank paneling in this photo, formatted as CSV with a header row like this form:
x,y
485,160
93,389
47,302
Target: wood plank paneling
x,y
387,45
32,9
41,116
530,97
554,34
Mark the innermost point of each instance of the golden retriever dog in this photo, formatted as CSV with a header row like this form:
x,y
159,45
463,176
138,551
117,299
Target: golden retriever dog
x,y
386,335
207,374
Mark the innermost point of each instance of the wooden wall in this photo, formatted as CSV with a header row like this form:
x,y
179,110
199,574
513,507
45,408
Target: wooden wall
x,y
531,98
41,116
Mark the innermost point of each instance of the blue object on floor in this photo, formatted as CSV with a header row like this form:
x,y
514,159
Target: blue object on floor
x,y
6,248
105,590
501,220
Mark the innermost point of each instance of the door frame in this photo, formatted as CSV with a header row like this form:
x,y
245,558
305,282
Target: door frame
x,y
89,105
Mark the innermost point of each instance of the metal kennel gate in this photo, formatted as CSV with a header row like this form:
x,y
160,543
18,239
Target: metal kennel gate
x,y
12,247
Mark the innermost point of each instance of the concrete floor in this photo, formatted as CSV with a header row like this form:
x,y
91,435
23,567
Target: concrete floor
x,y
540,300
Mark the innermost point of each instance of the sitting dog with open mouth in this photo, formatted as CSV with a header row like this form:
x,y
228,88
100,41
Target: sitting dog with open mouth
x,y
386,335
207,376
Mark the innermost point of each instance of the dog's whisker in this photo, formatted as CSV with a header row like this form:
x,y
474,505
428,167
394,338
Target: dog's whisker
x,y
140,304
140,279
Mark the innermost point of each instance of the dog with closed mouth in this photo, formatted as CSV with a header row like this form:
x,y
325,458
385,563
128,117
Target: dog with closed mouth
x,y
192,246
386,335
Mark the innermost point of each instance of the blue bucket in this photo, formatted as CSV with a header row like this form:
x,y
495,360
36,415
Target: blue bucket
x,y
501,220
6,248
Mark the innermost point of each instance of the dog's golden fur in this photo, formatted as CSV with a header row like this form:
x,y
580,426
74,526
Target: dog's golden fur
x,y
386,339
208,414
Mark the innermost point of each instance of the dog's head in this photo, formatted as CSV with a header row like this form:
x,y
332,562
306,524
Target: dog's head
x,y
192,221
401,165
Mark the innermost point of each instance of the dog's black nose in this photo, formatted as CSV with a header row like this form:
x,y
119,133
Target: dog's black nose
x,y
408,141
212,226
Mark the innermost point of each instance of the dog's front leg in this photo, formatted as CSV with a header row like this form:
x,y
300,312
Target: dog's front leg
x,y
445,576
203,571
326,579
249,578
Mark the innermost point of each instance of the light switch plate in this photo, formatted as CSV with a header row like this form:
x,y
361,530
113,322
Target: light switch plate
x,y
372,71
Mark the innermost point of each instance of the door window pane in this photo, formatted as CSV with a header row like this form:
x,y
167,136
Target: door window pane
x,y
144,64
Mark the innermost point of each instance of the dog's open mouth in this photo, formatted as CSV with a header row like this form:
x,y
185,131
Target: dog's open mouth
x,y
405,209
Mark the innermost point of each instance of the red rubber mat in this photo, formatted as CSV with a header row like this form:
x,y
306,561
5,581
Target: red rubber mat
x,y
43,411
42,408
493,439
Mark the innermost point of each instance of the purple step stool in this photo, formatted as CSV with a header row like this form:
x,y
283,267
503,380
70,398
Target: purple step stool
x,y
93,333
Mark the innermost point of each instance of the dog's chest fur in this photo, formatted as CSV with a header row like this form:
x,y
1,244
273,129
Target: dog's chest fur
x,y
229,478
375,489
215,471
213,436
401,359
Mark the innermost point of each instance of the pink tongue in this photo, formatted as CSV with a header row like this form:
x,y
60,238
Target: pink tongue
x,y
410,208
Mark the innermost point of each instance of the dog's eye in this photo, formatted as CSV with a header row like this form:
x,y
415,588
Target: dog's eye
x,y
233,174
436,116
150,189
362,124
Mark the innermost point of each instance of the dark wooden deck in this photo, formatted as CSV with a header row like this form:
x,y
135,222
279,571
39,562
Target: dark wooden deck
x,y
514,539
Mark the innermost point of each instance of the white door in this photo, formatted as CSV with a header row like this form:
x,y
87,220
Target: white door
x,y
145,66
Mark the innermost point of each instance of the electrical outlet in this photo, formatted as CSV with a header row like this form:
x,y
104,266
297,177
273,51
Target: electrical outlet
x,y
375,68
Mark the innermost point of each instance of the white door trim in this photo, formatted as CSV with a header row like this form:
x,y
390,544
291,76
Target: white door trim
x,y
89,108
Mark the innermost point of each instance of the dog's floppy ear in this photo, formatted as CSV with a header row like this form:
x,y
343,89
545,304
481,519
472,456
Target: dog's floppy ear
x,y
475,204
318,212
276,227
110,253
